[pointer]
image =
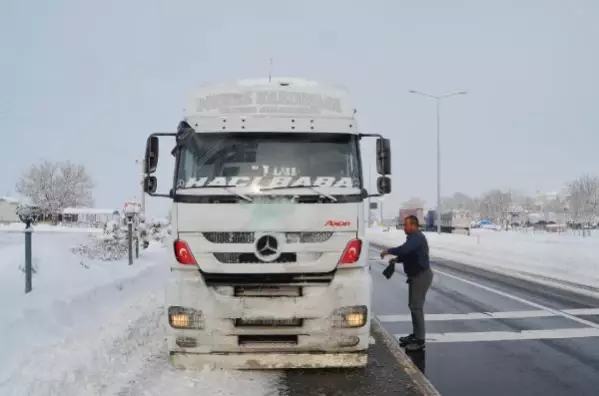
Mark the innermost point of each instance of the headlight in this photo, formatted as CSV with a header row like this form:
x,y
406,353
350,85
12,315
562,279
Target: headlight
x,y
350,317
185,318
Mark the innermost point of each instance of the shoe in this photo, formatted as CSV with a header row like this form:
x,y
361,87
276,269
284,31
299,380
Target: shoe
x,y
403,341
415,345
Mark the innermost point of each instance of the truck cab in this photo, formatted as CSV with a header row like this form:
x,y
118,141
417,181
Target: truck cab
x,y
269,266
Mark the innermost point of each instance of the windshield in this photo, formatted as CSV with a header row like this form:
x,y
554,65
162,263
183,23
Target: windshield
x,y
269,161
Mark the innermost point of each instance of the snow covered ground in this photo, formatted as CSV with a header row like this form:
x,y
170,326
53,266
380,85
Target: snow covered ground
x,y
94,328
561,260
18,227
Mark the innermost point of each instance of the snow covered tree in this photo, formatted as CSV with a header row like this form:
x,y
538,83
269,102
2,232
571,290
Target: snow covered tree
x,y
54,186
496,205
583,199
413,203
459,201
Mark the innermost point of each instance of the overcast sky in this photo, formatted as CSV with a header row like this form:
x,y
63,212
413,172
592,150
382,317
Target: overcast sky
x,y
89,80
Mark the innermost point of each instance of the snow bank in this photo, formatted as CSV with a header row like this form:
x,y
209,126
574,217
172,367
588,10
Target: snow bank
x,y
564,260
60,277
94,327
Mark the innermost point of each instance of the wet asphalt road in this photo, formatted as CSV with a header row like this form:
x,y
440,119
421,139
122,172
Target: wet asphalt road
x,y
383,376
496,354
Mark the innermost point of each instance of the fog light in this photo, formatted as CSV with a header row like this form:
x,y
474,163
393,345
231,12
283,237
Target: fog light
x,y
349,341
355,319
186,342
185,318
180,321
352,317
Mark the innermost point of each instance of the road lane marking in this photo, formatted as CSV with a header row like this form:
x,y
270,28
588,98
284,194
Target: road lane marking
x,y
521,300
371,340
489,315
510,335
582,311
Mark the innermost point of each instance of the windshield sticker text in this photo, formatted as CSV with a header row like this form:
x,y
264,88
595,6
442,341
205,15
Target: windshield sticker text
x,y
269,102
276,170
274,182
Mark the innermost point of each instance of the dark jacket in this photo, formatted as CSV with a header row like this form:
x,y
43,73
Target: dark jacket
x,y
413,254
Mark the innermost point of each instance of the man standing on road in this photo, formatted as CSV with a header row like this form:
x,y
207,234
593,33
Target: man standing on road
x,y
414,256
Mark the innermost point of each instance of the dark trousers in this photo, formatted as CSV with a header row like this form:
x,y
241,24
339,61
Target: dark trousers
x,y
417,288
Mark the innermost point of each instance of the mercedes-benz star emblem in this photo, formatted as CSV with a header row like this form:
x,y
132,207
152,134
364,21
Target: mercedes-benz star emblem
x,y
267,248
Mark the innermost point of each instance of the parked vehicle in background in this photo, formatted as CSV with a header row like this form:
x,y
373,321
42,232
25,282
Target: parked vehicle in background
x,y
454,220
430,220
403,213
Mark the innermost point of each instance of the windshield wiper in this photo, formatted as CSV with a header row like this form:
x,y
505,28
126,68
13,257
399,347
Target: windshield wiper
x,y
313,188
227,189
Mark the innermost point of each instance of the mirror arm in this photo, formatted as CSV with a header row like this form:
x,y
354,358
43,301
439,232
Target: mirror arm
x,y
163,134
159,195
361,135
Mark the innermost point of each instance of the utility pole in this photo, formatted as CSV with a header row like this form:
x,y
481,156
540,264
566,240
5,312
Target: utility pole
x,y
438,99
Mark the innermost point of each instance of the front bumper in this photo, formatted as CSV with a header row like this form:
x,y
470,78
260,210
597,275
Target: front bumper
x,y
317,342
261,361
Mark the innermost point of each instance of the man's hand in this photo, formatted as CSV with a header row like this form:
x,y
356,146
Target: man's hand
x,y
384,252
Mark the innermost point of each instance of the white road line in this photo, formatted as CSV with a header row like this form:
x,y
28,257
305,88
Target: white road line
x,y
371,340
522,300
469,316
511,335
582,311
489,315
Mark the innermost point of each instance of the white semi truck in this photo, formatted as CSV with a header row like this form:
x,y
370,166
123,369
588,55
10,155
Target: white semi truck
x,y
269,266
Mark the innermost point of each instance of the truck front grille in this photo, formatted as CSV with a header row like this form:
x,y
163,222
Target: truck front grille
x,y
250,340
251,258
249,237
284,279
295,322
230,237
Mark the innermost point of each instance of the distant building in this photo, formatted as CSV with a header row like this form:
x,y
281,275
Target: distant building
x,y
8,210
87,216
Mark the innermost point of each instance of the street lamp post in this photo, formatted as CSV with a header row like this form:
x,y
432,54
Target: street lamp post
x,y
438,99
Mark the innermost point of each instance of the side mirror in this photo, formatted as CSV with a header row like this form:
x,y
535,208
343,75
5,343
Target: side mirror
x,y
383,156
383,185
151,154
150,184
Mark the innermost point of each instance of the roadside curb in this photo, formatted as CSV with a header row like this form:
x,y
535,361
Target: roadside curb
x,y
423,384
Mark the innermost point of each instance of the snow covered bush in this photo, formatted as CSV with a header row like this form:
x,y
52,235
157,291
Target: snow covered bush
x,y
110,246
113,243
159,230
